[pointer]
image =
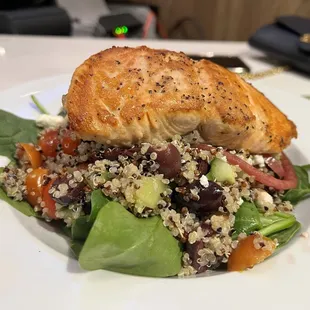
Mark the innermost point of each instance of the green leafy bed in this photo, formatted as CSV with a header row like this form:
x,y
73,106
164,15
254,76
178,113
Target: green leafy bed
x,y
14,129
112,238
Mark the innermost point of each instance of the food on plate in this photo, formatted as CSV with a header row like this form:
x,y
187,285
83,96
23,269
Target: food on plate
x,y
250,251
123,96
158,166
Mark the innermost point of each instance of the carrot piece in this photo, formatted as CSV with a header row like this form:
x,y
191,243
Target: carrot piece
x,y
250,251
32,154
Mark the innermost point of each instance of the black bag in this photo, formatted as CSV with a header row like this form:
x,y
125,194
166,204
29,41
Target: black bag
x,y
287,40
47,20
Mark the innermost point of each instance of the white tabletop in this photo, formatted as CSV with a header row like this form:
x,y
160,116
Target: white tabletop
x,y
24,58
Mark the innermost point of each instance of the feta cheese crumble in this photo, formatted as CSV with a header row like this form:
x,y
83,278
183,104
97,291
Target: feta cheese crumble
x,y
51,121
259,160
204,181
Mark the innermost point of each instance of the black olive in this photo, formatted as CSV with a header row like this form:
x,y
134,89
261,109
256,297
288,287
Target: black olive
x,y
192,250
203,167
169,160
113,153
73,195
210,198
207,229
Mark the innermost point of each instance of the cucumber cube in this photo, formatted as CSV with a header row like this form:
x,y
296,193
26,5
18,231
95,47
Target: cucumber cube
x,y
221,171
148,195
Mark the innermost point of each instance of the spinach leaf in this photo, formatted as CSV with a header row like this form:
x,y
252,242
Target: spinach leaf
x,y
306,167
275,217
277,226
247,219
38,104
296,195
81,226
63,228
303,177
98,200
269,220
303,188
121,242
76,248
14,129
22,206
286,235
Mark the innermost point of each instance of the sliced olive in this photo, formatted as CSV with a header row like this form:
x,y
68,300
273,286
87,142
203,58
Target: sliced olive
x,y
113,153
192,250
72,194
203,167
169,159
208,199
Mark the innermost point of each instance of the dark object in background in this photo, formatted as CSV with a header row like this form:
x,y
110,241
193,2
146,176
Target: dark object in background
x,y
232,63
287,40
19,4
124,24
49,20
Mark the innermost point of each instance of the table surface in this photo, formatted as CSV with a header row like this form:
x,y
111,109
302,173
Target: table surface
x,y
25,58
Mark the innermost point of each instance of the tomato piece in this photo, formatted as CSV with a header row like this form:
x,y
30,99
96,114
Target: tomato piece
x,y
34,185
29,153
249,253
49,202
70,143
49,142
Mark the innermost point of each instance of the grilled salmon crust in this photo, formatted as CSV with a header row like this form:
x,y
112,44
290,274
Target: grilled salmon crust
x,y
123,96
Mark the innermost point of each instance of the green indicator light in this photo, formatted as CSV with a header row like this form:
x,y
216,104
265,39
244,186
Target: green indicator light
x,y
118,30
124,29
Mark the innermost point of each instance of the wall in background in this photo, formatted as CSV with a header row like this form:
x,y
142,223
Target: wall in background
x,y
232,20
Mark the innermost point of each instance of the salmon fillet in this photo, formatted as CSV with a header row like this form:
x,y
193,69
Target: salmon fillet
x,y
123,96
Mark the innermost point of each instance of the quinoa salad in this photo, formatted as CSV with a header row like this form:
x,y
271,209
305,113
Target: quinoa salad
x,y
215,208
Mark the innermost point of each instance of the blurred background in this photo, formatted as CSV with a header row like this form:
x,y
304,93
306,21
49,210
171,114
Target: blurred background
x,y
232,20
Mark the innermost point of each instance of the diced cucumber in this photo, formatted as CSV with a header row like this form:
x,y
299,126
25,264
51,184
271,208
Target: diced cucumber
x,y
221,171
148,195
106,176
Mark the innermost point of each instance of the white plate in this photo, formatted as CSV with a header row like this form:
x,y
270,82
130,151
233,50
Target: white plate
x,y
36,272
